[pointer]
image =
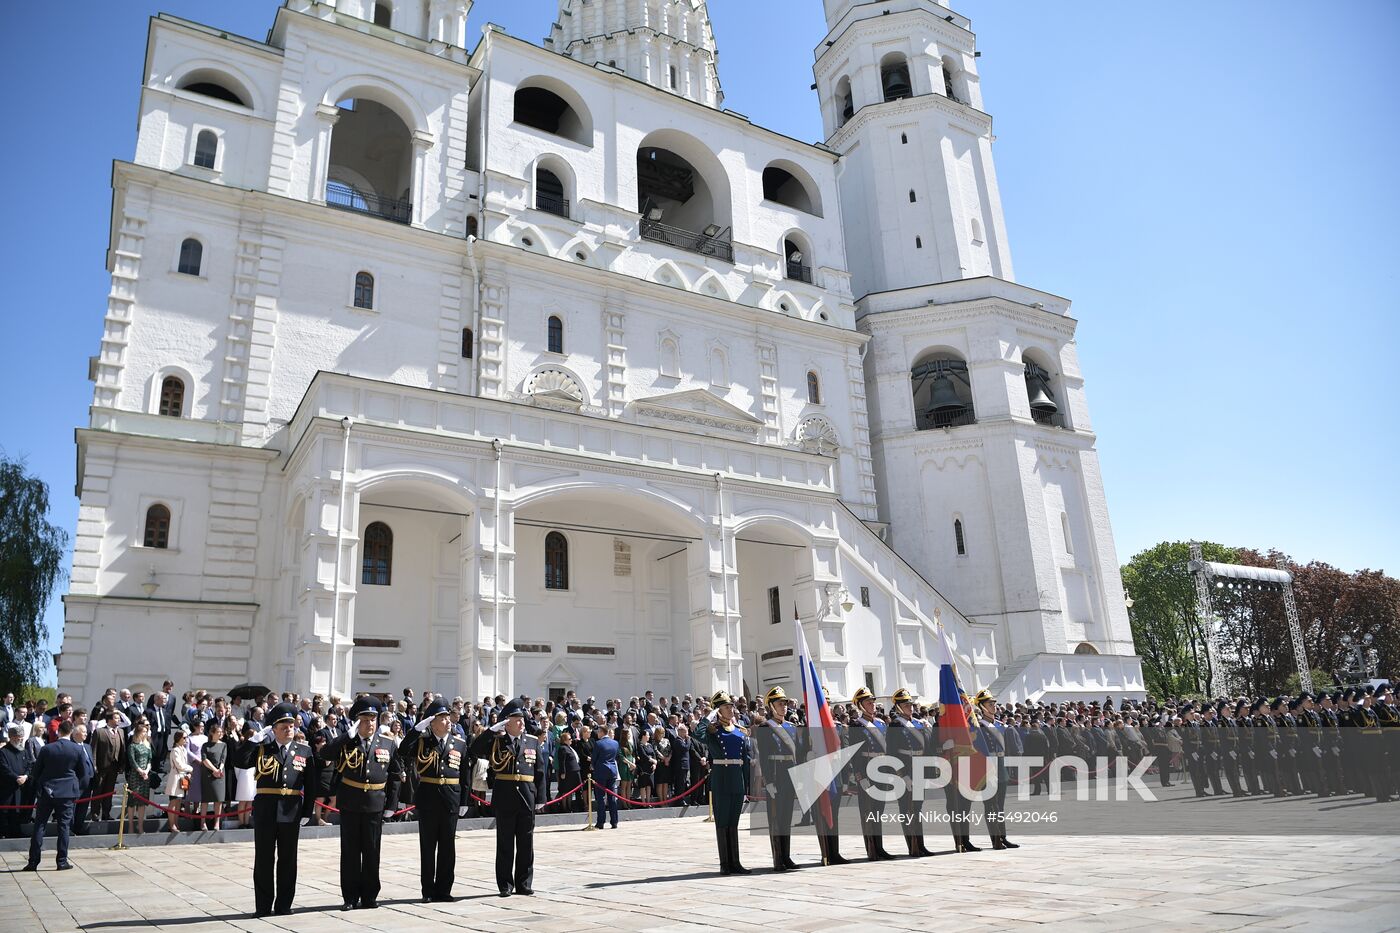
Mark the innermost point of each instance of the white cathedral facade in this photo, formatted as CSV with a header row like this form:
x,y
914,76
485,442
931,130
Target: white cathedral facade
x,y
530,368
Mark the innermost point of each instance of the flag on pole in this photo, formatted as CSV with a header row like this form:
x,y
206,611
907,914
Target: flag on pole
x,y
820,724
954,726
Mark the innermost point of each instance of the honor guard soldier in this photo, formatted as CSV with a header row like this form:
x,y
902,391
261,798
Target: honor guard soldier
x,y
1373,779
1311,744
1331,763
365,779
908,739
1193,746
515,766
870,732
280,765
994,738
1389,718
1266,747
434,755
728,747
779,748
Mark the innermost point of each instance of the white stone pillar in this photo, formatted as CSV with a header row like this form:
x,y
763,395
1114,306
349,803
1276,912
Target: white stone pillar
x,y
317,599
486,640
326,117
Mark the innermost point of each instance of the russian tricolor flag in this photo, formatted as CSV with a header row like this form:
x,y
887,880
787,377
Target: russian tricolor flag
x,y
820,726
953,725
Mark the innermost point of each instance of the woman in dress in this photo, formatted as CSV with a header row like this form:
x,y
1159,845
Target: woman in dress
x,y
213,789
138,774
318,780
246,787
663,762
646,767
195,747
626,763
177,782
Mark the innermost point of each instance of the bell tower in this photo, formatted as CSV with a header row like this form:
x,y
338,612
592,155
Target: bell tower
x,y
901,102
666,43
984,454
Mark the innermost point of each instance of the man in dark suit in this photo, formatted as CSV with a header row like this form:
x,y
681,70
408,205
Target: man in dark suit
x,y
603,758
158,715
58,775
7,711
109,754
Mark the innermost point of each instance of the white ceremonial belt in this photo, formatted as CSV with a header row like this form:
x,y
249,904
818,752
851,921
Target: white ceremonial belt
x,y
727,761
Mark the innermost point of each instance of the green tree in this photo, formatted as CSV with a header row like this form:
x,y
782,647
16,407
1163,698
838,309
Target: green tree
x,y
1166,629
31,565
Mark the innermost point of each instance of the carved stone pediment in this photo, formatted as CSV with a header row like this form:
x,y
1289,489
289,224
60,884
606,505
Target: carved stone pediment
x,y
702,411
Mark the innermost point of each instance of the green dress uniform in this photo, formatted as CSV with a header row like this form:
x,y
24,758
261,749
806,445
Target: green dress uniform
x,y
1332,747
779,747
440,797
365,778
869,733
728,748
908,739
280,804
515,768
1374,780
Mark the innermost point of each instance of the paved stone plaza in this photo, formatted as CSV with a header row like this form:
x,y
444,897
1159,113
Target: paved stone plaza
x,y
661,875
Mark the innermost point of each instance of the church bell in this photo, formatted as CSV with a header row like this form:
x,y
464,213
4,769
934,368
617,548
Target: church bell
x,y
945,396
896,81
1041,400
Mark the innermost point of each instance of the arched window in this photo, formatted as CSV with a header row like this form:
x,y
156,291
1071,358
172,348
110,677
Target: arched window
x,y
904,139
958,538
172,397
845,100
894,77
670,364
378,563
191,256
472,225
1064,530
466,343
542,109
383,15
673,77
212,84
364,291
976,231
157,532
549,193
913,198
556,334
942,391
1085,648
948,81
814,389
799,264
206,149
918,242
556,561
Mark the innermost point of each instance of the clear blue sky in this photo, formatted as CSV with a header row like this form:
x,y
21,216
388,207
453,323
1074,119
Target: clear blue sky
x,y
1216,190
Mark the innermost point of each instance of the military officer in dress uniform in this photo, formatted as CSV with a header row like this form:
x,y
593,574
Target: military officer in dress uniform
x,y
1373,779
1389,718
280,766
779,748
1331,763
728,747
515,766
869,731
1193,746
433,754
994,738
908,738
365,779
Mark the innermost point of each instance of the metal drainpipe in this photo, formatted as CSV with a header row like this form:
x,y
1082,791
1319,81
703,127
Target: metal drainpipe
x,y
724,577
496,446
345,424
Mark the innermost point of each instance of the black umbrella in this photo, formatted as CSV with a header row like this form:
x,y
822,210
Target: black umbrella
x,y
248,692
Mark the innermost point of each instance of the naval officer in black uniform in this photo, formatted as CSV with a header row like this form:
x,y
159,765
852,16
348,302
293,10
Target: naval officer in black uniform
x,y
434,755
515,765
280,766
365,779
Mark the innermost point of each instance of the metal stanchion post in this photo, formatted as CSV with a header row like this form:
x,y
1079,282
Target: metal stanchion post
x,y
121,827
589,794
711,818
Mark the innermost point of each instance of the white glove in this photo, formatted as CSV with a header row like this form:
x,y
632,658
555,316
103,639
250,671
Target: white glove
x,y
713,715
388,813
499,727
1273,754
461,811
1317,752
263,735
772,789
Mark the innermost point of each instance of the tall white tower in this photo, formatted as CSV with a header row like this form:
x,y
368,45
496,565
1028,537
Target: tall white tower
x,y
666,43
984,453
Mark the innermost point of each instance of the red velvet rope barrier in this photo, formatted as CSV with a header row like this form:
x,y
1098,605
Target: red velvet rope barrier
x,y
192,814
408,809
652,803
31,806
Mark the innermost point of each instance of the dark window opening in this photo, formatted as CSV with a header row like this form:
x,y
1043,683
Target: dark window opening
x,y
555,334
913,198
542,109
172,397
782,187
466,343
958,537
157,533
918,242
472,226
673,77
364,290
556,561
383,15
191,257
865,596
814,389
775,606
942,394
549,193
378,561
216,91
904,139
799,265
206,149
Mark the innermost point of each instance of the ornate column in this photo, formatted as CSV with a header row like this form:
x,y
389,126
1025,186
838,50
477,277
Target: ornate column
x,y
326,117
